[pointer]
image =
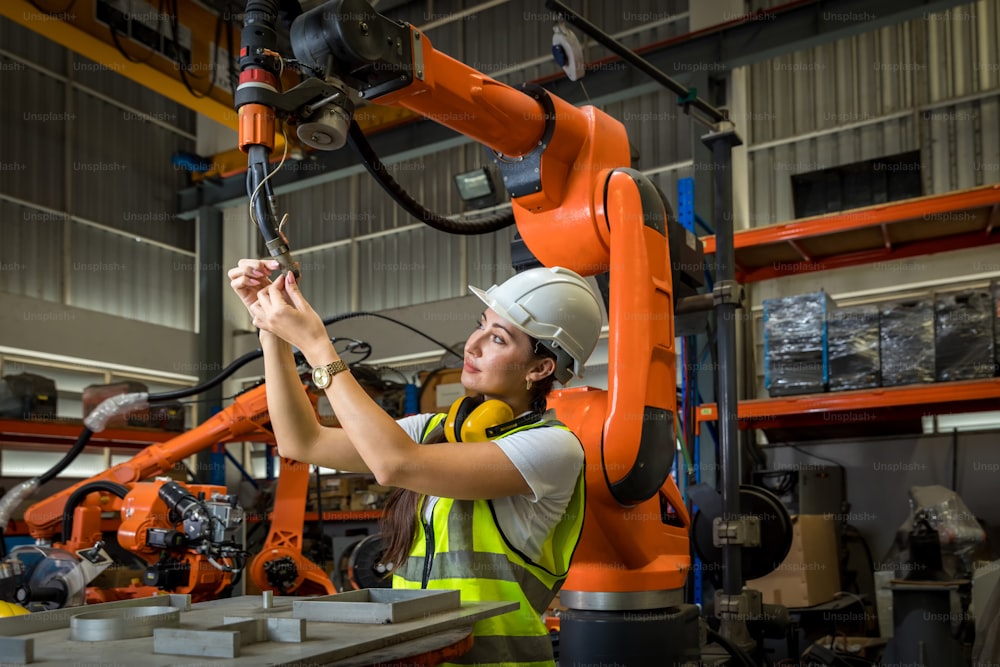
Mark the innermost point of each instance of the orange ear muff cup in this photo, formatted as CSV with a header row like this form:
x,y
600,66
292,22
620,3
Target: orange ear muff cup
x,y
468,419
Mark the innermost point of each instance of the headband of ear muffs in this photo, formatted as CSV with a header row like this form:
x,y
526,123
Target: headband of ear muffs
x,y
471,419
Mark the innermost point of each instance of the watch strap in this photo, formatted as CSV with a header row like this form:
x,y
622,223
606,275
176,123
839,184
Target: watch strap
x,y
335,367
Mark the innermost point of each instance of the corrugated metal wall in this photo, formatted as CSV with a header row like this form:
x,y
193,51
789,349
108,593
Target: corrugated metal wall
x,y
31,260
86,144
931,84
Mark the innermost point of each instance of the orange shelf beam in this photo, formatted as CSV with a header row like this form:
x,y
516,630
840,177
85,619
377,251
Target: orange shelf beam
x,y
359,515
66,431
937,214
863,405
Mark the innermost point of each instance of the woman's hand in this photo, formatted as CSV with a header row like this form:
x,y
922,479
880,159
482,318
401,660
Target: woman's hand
x,y
249,277
283,311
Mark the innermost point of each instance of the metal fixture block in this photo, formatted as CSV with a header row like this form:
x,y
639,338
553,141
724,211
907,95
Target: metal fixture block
x,y
17,650
110,624
376,605
279,629
745,531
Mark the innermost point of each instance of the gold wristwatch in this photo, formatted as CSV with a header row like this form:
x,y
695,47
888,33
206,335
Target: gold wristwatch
x,y
322,375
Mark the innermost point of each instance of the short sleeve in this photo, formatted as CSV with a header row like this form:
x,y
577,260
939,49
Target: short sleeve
x,y
549,459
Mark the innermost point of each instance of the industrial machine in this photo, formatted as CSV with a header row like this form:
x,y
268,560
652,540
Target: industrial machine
x,y
187,535
576,203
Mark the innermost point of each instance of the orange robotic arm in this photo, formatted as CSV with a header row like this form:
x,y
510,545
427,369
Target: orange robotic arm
x,y
245,419
577,204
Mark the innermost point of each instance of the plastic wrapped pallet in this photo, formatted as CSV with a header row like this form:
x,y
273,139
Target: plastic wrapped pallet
x,y
906,347
795,344
853,335
996,327
963,334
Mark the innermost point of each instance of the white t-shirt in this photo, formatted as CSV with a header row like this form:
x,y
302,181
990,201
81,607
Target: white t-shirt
x,y
550,460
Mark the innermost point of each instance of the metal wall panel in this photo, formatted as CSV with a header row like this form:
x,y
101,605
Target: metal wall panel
x,y
31,252
488,258
114,274
771,168
33,136
30,46
325,213
140,102
660,132
849,81
429,180
327,279
407,268
122,174
926,85
961,143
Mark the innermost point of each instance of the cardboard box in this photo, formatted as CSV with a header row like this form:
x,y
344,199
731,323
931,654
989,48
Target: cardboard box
x,y
343,485
362,501
810,574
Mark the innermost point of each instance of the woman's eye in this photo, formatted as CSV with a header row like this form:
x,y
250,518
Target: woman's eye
x,y
498,340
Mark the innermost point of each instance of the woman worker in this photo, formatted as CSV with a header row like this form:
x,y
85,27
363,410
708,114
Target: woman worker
x,y
493,512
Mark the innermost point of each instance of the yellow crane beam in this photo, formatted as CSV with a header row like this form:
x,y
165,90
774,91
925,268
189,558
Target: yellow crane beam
x,y
134,39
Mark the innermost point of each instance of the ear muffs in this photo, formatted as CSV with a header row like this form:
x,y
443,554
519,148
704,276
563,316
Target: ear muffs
x,y
475,420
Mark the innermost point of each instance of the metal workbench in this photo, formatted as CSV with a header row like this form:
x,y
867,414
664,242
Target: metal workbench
x,y
44,638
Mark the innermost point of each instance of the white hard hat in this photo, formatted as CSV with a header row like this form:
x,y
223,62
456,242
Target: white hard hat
x,y
555,306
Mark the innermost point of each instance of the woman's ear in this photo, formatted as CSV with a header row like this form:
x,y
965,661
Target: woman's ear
x,y
544,367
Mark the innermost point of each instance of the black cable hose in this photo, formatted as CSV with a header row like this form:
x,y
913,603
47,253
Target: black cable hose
x,y
346,316
78,495
375,167
217,380
68,457
730,648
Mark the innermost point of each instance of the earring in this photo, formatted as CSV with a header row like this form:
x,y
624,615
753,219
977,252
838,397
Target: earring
x,y
528,384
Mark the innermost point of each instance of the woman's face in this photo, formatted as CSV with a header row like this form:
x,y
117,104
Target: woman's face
x,y
499,358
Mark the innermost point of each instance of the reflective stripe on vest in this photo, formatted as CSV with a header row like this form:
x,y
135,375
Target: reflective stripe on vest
x,y
464,548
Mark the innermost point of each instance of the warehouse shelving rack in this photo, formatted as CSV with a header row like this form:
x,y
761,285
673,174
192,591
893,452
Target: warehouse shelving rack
x,y
884,232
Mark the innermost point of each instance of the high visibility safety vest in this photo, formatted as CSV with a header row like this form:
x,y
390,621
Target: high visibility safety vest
x,y
464,548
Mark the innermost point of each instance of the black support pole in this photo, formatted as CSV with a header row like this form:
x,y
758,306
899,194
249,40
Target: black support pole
x,y
210,274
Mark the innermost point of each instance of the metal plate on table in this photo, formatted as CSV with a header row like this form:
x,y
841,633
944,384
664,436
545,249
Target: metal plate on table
x,y
376,605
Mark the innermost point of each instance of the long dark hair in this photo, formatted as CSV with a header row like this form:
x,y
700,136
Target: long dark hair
x,y
398,524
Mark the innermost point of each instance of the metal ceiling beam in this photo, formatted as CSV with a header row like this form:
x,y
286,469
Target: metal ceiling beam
x,y
752,38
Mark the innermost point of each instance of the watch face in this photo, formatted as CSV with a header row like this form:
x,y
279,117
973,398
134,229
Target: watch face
x,y
321,377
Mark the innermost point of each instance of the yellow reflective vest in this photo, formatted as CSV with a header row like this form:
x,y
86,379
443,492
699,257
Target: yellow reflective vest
x,y
463,548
